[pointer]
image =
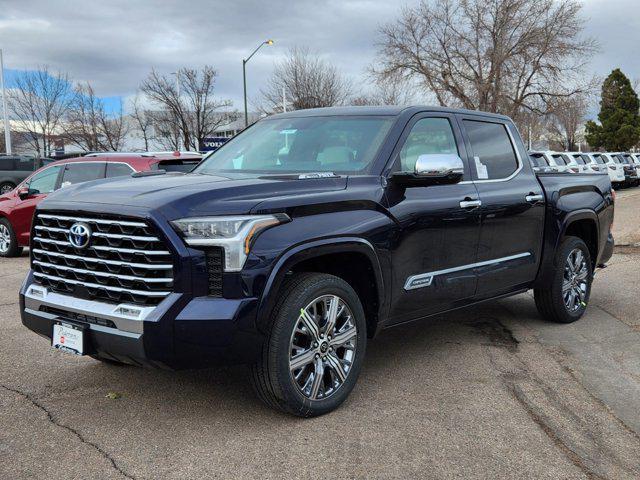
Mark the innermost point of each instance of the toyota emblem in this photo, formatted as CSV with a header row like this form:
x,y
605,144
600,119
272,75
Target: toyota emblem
x,y
79,235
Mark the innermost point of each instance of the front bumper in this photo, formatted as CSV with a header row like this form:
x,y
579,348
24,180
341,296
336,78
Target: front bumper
x,y
181,332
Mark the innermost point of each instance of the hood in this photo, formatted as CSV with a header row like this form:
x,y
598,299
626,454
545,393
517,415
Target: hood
x,y
178,195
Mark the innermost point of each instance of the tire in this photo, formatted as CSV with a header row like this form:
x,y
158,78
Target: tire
x,y
6,187
8,241
273,375
566,307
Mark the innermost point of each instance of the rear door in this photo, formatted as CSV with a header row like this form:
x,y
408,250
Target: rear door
x,y
512,211
79,172
434,252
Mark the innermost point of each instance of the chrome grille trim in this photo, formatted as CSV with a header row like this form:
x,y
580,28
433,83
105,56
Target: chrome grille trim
x,y
104,274
98,286
108,262
109,249
94,220
100,234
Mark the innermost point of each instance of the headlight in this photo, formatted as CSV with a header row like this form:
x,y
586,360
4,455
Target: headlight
x,y
233,233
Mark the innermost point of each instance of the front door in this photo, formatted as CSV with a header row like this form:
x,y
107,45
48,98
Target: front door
x,y
434,252
40,184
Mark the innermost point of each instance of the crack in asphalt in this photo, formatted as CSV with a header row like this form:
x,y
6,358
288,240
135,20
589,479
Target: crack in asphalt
x,y
73,431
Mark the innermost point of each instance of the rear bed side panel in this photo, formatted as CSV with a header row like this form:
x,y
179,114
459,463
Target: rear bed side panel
x,y
571,198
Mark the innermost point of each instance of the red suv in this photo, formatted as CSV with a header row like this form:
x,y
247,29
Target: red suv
x,y
18,205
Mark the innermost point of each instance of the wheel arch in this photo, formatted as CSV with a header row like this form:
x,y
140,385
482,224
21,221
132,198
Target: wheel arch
x,y
363,272
584,225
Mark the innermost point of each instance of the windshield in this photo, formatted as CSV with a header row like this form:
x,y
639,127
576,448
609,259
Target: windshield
x,y
338,144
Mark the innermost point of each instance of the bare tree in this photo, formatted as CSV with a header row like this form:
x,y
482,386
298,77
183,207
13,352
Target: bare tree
x,y
39,102
90,126
167,131
192,107
308,82
142,121
498,56
387,90
566,118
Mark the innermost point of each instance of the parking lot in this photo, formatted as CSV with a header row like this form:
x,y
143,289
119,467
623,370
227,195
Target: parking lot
x,y
491,392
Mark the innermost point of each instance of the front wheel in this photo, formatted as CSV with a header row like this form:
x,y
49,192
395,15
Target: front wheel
x,y
314,351
565,299
8,241
6,187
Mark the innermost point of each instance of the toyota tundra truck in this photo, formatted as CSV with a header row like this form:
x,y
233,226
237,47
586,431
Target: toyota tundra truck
x,y
303,237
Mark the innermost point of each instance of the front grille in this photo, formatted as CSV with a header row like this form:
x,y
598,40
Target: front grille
x,y
125,262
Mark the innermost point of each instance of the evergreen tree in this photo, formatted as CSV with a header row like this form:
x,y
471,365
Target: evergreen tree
x,y
619,127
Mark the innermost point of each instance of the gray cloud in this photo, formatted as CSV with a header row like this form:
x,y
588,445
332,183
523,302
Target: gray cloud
x,y
114,44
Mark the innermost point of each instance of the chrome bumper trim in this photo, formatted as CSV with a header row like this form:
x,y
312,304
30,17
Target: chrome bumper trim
x,y
97,328
37,296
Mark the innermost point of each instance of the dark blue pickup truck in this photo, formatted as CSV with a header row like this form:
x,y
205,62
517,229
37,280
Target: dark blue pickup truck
x,y
306,235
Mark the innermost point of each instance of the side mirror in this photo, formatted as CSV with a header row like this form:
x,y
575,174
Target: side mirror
x,y
432,169
23,192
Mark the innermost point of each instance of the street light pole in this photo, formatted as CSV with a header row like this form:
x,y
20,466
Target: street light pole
x,y
244,78
177,74
7,128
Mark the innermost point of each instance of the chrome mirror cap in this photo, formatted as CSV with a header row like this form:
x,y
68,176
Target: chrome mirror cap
x,y
439,165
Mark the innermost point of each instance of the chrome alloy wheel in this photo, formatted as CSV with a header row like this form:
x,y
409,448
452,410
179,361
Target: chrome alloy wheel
x,y
5,239
6,188
574,285
322,347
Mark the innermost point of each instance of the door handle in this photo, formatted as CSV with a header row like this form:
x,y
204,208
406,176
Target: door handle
x,y
470,203
532,198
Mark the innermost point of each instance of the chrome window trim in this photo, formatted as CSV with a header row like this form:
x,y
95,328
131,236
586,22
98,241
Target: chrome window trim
x,y
426,279
515,150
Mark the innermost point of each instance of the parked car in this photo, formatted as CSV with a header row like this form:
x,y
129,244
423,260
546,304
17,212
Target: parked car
x,y
628,167
542,162
635,157
596,164
13,170
569,163
614,169
17,206
375,216
631,170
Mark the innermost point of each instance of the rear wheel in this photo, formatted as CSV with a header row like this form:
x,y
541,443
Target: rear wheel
x,y
6,187
8,240
565,299
314,351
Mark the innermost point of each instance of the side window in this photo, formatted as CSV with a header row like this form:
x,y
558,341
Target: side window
x,y
428,135
493,152
24,164
82,172
7,164
118,170
45,181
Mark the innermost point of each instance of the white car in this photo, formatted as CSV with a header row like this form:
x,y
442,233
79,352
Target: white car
x,y
567,161
582,161
614,169
542,162
631,171
595,165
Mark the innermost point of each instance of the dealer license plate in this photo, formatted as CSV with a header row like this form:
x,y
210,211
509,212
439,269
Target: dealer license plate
x,y
68,338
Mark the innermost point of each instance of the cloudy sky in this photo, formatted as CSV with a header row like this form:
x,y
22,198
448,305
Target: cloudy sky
x,y
114,43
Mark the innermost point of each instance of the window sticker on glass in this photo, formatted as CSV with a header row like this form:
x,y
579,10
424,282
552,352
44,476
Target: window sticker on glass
x,y
291,131
481,168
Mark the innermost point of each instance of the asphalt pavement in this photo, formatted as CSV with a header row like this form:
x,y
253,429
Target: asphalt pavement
x,y
491,392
